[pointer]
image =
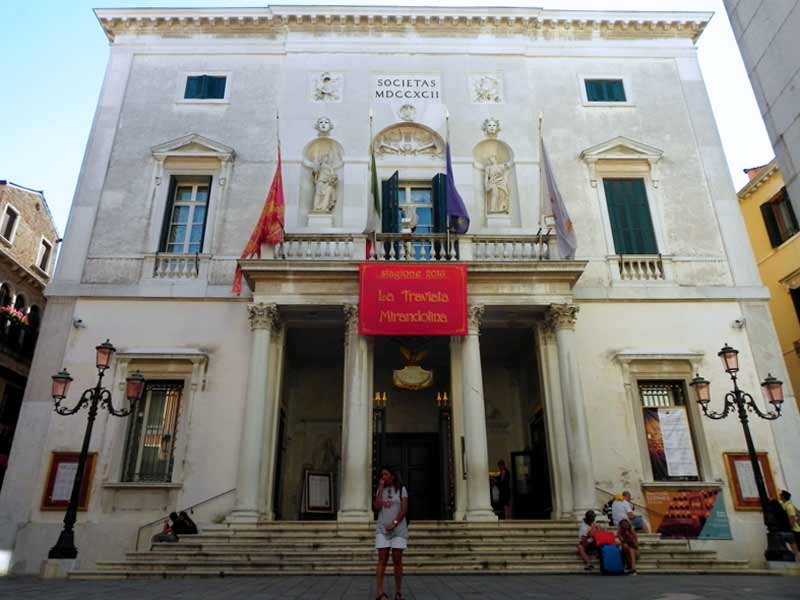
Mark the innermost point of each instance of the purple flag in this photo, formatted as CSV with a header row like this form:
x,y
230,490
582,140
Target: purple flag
x,y
565,234
456,211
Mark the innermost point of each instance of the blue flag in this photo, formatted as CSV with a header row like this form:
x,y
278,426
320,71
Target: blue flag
x,y
456,211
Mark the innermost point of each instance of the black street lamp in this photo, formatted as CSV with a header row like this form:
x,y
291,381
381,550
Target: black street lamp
x,y
65,546
742,402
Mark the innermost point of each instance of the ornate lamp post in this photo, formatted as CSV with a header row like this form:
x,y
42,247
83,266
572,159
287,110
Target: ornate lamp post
x,y
65,546
742,402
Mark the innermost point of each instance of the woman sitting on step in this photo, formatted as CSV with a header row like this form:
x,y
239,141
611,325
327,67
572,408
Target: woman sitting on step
x,y
391,529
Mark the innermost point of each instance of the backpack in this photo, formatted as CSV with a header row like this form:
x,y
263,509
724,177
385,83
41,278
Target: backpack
x,y
780,518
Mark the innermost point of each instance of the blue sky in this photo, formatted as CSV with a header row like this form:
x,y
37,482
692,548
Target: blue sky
x,y
54,53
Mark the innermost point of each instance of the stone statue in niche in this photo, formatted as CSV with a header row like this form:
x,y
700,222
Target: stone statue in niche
x,y
328,87
491,127
496,185
325,182
486,90
324,126
408,141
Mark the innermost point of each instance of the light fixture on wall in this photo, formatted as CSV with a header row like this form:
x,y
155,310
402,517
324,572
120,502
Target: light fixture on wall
x,y
380,400
442,401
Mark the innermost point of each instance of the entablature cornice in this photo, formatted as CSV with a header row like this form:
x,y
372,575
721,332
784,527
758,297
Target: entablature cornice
x,y
277,20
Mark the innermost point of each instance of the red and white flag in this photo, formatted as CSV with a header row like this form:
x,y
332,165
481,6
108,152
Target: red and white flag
x,y
269,229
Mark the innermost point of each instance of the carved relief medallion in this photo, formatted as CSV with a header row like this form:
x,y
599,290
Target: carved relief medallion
x,y
486,88
326,87
408,140
407,112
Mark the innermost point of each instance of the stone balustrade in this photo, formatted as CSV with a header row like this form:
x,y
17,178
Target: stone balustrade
x,y
638,267
176,266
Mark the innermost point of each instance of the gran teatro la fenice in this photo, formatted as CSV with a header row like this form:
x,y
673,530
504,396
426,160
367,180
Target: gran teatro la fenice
x,y
282,402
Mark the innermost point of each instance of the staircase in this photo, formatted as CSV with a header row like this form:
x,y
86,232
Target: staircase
x,y
441,547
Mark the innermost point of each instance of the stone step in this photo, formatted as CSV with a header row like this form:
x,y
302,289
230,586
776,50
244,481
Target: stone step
x,y
539,570
435,525
413,532
428,545
348,565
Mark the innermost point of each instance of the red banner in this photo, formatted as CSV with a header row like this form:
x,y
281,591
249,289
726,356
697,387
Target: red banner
x,y
412,299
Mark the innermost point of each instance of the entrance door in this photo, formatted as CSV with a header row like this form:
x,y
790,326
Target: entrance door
x,y
416,455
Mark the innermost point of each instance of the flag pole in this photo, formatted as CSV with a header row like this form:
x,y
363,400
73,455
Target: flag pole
x,y
541,171
447,142
371,167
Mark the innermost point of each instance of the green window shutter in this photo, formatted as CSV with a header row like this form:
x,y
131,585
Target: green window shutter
x,y
194,87
771,223
390,213
162,245
439,188
215,87
605,90
205,215
629,213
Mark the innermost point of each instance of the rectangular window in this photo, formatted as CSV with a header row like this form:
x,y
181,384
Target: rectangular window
x,y
779,218
668,430
204,87
10,217
45,250
605,90
187,210
150,445
629,213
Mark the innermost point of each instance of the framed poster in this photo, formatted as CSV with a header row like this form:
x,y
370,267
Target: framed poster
x,y
318,492
61,476
743,481
695,513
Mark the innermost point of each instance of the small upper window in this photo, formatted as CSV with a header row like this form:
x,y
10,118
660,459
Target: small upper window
x,y
9,223
204,87
605,90
779,218
45,250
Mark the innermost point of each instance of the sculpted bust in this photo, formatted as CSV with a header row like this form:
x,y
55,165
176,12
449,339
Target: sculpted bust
x,y
324,126
491,127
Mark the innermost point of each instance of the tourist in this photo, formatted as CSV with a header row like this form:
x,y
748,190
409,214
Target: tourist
x,y
791,512
586,542
622,510
184,525
168,533
391,529
630,545
784,517
503,483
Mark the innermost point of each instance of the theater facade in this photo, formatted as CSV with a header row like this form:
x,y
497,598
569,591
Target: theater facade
x,y
410,345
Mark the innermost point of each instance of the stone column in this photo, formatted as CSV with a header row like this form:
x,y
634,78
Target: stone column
x,y
354,505
561,318
266,490
251,443
457,402
479,505
557,448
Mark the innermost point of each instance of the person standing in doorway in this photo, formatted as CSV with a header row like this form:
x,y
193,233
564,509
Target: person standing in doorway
x,y
391,529
503,482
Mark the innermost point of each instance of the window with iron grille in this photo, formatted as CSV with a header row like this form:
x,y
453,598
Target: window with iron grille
x,y
668,430
150,445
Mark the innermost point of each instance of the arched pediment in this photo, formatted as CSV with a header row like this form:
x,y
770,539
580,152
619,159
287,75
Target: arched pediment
x,y
409,140
193,145
622,150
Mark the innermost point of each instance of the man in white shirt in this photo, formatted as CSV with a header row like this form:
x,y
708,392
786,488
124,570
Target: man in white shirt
x,y
622,510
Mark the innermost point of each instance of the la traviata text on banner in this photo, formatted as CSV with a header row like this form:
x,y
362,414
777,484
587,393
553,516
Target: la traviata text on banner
x,y
412,299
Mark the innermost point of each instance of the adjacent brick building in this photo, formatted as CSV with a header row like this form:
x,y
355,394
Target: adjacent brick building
x,y
28,240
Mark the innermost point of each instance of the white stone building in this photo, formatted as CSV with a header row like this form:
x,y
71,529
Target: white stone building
x,y
767,36
246,393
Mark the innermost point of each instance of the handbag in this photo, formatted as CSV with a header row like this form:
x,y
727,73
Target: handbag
x,y
604,538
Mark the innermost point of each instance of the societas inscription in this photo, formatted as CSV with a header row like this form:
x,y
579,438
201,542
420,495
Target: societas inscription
x,y
407,88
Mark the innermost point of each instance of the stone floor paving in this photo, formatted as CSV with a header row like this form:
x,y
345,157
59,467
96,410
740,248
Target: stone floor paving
x,y
420,587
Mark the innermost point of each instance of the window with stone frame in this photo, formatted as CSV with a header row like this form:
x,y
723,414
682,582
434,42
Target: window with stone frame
x,y
186,214
667,425
43,259
150,442
8,226
205,87
629,213
605,90
779,218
